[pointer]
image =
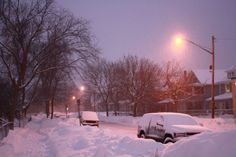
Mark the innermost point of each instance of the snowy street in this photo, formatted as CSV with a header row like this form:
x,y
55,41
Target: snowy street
x,y
116,137
121,129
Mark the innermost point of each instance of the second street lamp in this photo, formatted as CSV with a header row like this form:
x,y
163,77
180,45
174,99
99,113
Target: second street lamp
x,y
179,40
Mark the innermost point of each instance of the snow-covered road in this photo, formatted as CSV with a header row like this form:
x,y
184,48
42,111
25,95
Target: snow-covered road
x,y
120,129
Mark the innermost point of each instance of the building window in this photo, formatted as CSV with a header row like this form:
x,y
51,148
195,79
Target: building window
x,y
227,88
231,74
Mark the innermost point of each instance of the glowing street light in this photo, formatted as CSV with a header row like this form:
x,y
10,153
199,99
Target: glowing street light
x,y
82,88
179,41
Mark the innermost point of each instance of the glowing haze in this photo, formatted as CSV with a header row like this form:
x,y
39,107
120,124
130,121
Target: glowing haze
x,y
146,28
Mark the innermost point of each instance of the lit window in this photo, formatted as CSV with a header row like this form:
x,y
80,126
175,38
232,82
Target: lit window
x,y
227,87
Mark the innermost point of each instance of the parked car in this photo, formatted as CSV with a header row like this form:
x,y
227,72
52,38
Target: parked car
x,y
168,127
89,118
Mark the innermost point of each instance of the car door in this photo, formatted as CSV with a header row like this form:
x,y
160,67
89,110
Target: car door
x,y
152,128
156,129
160,131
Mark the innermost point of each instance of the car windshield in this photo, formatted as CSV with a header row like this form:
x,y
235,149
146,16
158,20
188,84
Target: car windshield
x,y
89,115
180,120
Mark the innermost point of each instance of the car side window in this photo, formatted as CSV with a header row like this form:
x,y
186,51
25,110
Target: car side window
x,y
152,122
157,120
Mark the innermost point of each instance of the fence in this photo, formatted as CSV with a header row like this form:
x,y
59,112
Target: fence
x,y
207,112
4,128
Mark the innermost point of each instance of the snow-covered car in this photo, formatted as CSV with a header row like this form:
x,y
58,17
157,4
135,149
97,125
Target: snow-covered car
x,y
89,118
168,126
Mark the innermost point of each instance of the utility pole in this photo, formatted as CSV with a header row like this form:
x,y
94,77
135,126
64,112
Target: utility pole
x,y
212,67
213,78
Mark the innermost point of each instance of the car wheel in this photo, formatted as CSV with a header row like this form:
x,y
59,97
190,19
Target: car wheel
x,y
142,134
168,139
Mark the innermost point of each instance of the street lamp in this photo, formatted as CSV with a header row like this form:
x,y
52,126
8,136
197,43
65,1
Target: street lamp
x,y
82,88
179,41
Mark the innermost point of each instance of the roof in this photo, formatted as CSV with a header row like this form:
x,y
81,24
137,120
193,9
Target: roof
x,y
205,77
232,68
224,96
166,101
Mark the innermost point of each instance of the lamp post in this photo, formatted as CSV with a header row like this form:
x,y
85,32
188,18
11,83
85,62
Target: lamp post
x,y
82,88
211,52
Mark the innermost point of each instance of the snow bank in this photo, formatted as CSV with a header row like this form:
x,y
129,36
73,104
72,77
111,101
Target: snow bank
x,y
211,144
63,137
223,123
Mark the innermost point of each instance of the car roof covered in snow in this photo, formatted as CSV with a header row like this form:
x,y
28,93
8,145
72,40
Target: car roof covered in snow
x,y
171,117
89,115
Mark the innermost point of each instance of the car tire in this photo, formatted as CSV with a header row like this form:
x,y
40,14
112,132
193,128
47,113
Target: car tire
x,y
142,134
168,139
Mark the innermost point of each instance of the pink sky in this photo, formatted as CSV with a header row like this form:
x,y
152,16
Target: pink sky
x,y
145,28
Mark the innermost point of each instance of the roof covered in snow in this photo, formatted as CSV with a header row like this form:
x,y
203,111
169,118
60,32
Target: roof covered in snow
x,y
168,100
232,68
224,96
205,77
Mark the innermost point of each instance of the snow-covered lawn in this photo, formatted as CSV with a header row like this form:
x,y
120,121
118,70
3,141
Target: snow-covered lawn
x,y
64,137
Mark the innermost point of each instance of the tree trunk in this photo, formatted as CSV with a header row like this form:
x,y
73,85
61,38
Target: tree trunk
x,y
135,109
107,109
47,107
12,108
52,107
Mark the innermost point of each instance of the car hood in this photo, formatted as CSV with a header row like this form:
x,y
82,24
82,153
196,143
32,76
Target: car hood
x,y
188,128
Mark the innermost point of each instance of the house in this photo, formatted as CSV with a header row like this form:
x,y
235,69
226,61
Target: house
x,y
197,100
231,74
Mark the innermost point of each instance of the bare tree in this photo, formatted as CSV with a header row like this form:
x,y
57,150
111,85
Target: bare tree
x,y
117,93
132,80
176,82
32,33
97,78
141,82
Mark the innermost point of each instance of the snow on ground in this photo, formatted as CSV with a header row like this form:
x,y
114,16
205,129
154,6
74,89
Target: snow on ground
x,y
211,144
43,137
64,137
222,123
219,142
